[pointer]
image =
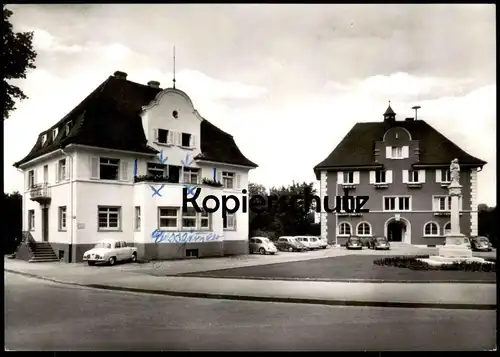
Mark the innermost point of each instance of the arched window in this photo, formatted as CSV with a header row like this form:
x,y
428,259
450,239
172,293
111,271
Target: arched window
x,y
344,229
447,228
364,229
431,229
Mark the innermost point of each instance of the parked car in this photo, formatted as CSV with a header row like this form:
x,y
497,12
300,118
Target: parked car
x,y
309,242
379,243
365,241
354,243
291,244
323,243
468,243
261,245
110,251
481,244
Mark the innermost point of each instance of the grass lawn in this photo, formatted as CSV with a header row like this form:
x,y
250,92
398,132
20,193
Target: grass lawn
x,y
343,268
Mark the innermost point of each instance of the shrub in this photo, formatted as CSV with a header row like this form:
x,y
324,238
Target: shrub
x,y
212,183
413,263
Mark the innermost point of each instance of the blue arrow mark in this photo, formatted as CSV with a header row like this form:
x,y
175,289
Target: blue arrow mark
x,y
162,159
187,162
215,174
190,189
157,191
135,168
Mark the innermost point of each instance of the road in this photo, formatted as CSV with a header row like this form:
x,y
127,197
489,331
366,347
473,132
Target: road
x,y
40,315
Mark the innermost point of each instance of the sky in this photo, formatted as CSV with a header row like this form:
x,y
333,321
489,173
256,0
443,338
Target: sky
x,y
287,81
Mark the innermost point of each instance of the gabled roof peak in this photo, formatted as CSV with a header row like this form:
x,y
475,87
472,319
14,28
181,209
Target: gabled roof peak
x,y
389,110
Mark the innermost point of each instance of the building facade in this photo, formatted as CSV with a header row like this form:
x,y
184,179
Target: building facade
x,y
403,168
117,167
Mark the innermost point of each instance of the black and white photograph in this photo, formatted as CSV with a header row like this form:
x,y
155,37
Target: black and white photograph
x,y
250,177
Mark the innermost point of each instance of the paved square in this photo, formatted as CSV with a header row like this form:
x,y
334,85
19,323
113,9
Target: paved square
x,y
344,268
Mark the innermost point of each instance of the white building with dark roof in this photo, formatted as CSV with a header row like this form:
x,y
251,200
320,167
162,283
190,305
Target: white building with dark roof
x,y
116,167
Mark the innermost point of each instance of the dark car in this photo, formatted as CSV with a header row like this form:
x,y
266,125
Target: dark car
x,y
290,244
354,243
480,244
379,243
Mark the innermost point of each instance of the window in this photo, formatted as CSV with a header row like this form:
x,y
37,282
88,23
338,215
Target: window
x,y
163,136
344,229
442,203
44,139
349,177
167,218
68,127
229,221
45,173
431,229
108,168
413,176
109,218
228,179
397,152
186,140
190,175
174,173
189,218
363,229
62,218
155,169
445,176
54,133
118,244
61,171
447,229
205,219
31,219
380,176
397,203
31,178
137,218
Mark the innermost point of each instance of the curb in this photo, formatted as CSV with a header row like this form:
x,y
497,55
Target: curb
x,y
372,281
272,299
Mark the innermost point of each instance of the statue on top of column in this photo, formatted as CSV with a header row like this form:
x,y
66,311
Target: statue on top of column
x,y
454,171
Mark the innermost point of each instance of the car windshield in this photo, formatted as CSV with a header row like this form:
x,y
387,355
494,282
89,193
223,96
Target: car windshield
x,y
103,245
314,239
354,238
381,239
483,240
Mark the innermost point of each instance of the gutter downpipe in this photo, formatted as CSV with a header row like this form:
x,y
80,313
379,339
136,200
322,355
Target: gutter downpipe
x,y
24,196
336,215
71,181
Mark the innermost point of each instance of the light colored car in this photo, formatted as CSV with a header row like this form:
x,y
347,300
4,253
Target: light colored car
x,y
323,242
290,244
309,242
110,251
261,245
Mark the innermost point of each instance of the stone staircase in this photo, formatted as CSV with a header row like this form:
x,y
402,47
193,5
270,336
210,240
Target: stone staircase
x,y
35,252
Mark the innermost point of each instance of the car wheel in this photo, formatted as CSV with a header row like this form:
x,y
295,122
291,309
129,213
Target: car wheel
x,y
324,247
272,253
91,263
262,251
290,249
134,258
112,261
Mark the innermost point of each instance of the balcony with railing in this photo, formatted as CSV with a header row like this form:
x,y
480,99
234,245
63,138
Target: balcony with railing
x,y
40,193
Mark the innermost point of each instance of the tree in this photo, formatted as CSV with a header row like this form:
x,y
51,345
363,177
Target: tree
x,y
12,221
488,223
18,56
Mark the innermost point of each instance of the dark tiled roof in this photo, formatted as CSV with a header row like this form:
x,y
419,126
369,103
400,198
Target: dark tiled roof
x,y
357,147
109,118
389,111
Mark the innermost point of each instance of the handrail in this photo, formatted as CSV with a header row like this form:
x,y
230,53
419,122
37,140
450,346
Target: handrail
x,y
39,190
29,240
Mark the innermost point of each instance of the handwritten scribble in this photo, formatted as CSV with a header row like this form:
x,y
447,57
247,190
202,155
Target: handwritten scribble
x,y
160,236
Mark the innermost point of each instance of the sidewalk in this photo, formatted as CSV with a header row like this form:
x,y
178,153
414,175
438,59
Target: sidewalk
x,y
444,296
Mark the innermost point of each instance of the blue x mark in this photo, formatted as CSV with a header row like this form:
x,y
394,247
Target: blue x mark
x,y
187,162
162,159
157,191
190,189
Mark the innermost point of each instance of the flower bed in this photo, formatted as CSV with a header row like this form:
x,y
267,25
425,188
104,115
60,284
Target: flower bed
x,y
413,263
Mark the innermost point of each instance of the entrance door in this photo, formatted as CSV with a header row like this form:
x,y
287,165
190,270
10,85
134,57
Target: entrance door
x,y
45,224
395,231
46,174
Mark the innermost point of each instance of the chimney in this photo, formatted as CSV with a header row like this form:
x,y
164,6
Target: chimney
x,y
120,75
154,84
409,119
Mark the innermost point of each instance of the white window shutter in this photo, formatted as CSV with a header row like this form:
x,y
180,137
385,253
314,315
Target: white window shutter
x,y
388,176
356,177
434,203
237,181
123,170
35,178
66,169
438,175
372,177
388,152
405,176
192,141
57,172
406,152
178,138
219,176
94,167
170,137
155,134
27,179
421,176
340,177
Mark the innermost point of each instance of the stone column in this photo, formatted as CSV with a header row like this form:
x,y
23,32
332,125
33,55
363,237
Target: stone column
x,y
455,246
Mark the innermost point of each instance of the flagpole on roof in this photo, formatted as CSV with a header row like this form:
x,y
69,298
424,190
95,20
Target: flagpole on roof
x,y
174,67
